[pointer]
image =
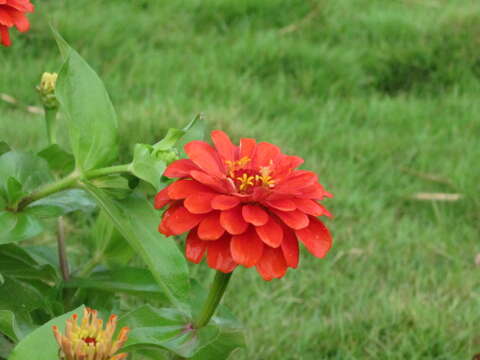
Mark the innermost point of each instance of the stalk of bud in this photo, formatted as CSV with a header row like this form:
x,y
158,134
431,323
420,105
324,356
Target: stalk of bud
x,y
46,89
88,340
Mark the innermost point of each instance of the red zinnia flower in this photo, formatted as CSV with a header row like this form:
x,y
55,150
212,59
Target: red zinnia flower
x,y
12,13
244,205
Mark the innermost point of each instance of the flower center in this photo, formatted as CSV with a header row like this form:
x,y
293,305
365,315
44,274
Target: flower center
x,y
90,340
246,179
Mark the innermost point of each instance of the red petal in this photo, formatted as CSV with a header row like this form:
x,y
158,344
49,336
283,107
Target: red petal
x,y
180,168
208,180
247,248
20,20
6,18
232,221
219,257
5,36
271,233
265,153
181,220
314,191
298,180
290,248
162,228
210,228
316,238
282,204
225,202
272,265
199,203
181,189
285,164
194,247
161,199
311,207
224,145
254,215
294,219
21,5
205,157
247,148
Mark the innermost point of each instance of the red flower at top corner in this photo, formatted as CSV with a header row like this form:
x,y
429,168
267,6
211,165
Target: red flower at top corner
x,y
244,205
12,13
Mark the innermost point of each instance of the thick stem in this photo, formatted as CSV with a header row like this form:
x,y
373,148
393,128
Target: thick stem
x,y
49,189
62,250
217,289
69,182
50,122
107,171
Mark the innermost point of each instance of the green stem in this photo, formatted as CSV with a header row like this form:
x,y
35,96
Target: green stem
x,y
69,182
90,265
50,122
48,189
217,289
107,171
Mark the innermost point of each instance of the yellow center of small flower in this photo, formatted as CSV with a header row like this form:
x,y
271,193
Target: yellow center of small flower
x,y
245,179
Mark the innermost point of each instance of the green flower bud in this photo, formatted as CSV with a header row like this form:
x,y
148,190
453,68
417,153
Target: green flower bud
x,y
46,90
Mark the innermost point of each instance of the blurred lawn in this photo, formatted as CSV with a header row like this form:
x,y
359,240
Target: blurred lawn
x,y
370,92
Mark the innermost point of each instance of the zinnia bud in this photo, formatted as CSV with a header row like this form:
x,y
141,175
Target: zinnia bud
x,y
89,340
47,90
12,13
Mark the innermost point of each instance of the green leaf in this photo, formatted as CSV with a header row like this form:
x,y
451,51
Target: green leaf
x,y
134,281
6,347
22,299
167,329
58,159
91,118
169,141
61,203
229,339
150,354
4,147
3,199
150,161
8,325
14,190
195,130
108,243
231,335
19,296
28,169
16,227
16,262
147,166
40,344
137,221
115,185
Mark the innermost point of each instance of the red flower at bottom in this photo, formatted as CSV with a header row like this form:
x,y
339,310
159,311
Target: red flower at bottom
x,y
12,13
244,205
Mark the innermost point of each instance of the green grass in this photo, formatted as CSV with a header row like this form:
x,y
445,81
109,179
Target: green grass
x,y
369,92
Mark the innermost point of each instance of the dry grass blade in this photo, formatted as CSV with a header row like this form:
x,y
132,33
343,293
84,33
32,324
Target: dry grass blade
x,y
428,176
437,197
14,102
305,20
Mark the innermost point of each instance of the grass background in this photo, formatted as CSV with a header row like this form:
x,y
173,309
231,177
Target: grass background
x,y
371,93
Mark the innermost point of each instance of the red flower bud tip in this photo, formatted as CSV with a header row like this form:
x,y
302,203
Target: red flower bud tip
x,y
244,205
88,340
12,13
